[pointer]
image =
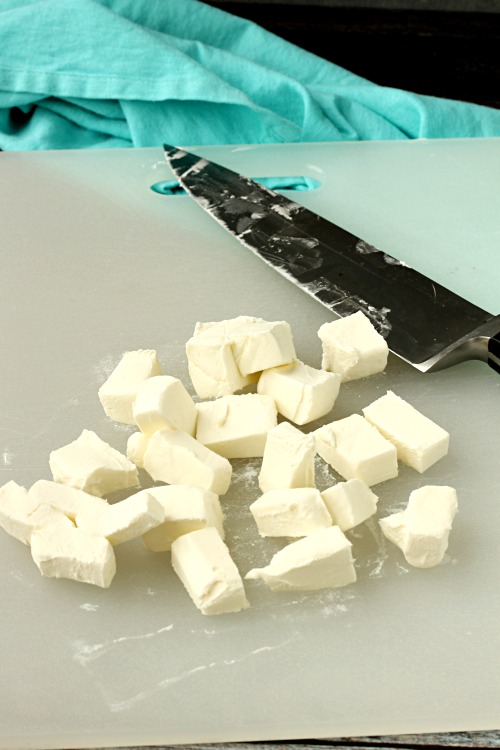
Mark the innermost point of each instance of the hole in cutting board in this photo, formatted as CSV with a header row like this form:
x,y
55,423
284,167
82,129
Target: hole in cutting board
x,y
172,187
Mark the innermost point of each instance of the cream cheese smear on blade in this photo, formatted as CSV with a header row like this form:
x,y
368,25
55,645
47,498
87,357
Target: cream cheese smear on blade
x,y
427,325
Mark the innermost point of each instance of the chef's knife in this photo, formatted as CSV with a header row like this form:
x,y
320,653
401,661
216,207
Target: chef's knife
x,y
424,323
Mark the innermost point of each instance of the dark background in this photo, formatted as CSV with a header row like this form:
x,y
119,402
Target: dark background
x,y
448,49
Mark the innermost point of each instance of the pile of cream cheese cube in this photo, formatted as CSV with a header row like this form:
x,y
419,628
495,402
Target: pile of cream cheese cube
x,y
186,447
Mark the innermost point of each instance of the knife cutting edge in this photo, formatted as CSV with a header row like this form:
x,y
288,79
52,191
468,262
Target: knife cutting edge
x,y
425,324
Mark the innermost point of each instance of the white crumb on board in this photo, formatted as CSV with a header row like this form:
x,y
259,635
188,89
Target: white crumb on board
x,y
21,578
87,652
172,680
7,457
103,369
246,473
315,168
325,602
323,474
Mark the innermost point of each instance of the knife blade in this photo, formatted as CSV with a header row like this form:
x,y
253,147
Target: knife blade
x,y
425,324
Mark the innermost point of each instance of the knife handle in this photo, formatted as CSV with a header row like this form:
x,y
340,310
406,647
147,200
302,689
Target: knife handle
x,y
482,343
494,352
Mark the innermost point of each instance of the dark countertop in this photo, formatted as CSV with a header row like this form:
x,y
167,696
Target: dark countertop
x,y
396,742
432,47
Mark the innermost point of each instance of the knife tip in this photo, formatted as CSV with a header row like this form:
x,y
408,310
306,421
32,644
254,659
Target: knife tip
x,y
172,152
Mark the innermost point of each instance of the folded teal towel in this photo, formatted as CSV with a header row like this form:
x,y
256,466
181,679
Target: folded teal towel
x,y
104,73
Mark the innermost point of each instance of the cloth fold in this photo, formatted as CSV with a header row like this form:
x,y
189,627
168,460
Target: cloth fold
x,y
106,73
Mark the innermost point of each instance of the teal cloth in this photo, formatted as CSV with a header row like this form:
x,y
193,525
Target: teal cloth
x,y
106,73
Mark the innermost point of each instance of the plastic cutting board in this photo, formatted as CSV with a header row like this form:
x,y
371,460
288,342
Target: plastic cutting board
x,y
95,263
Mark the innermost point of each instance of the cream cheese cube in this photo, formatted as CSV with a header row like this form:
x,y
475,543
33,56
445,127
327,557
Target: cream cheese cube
x,y
321,560
353,347
422,530
357,450
186,509
205,567
236,426
212,366
301,393
136,447
123,521
350,503
177,458
419,441
163,402
118,393
91,465
257,344
227,355
64,498
45,516
15,509
22,514
293,512
71,553
288,459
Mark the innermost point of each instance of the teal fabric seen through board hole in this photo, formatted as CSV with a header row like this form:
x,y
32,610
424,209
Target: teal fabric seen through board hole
x,y
121,73
173,187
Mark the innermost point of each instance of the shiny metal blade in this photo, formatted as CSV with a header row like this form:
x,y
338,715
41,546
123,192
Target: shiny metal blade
x,y
424,323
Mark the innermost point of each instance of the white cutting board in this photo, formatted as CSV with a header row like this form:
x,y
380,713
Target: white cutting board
x,y
95,263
